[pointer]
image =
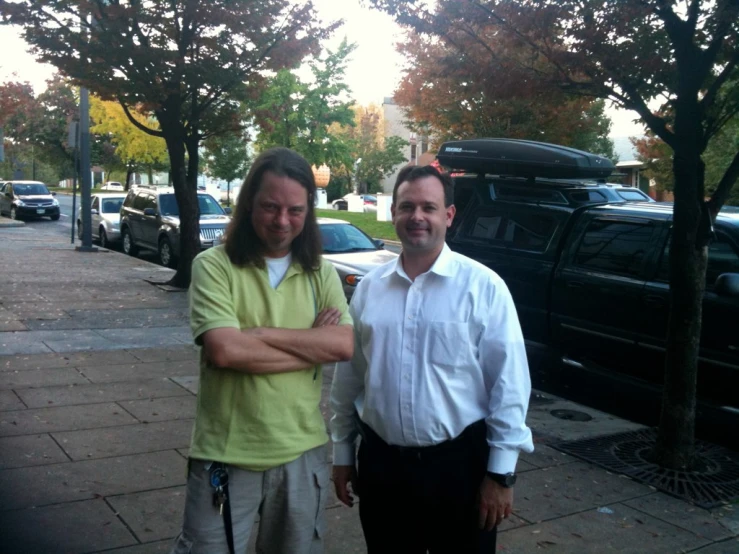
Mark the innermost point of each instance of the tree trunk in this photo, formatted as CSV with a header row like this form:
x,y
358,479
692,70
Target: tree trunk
x,y
688,257
187,200
187,203
129,175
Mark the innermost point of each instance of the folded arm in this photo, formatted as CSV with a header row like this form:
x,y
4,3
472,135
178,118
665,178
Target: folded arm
x,y
246,352
319,345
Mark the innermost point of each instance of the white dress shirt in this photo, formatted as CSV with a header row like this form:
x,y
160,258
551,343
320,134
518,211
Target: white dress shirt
x,y
431,357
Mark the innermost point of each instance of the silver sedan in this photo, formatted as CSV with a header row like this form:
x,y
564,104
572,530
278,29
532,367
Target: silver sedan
x,y
106,215
351,251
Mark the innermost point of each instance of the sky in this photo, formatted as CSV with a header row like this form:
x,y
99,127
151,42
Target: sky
x,y
373,73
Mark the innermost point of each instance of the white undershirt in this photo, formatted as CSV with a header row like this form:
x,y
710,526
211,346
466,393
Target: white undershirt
x,y
277,267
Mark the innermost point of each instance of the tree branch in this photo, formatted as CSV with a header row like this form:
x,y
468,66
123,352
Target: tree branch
x,y
721,194
137,124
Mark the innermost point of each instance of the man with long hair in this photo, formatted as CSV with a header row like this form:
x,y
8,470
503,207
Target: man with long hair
x,y
267,311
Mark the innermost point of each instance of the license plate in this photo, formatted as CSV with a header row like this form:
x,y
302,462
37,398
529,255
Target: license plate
x,y
40,211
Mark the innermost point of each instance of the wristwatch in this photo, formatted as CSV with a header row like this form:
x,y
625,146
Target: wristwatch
x,y
506,480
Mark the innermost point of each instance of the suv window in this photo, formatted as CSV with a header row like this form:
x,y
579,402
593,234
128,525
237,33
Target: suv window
x,y
206,204
139,202
96,203
614,246
722,258
524,231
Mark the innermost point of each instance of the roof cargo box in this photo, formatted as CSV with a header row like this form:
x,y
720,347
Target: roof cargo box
x,y
522,158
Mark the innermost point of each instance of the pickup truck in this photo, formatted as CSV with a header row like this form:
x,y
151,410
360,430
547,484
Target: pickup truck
x,y
586,263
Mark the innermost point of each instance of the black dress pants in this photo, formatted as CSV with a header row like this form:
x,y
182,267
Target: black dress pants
x,y
418,500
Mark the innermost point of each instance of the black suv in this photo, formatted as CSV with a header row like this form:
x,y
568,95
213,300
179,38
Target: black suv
x,y
586,263
150,220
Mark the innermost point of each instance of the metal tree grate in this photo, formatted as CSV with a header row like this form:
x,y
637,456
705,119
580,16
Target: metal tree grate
x,y
715,480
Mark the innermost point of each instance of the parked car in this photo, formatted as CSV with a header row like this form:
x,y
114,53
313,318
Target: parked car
x,y
586,263
150,220
113,186
28,199
106,216
369,202
351,251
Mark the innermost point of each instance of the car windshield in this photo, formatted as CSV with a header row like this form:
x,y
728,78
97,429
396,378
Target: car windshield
x,y
112,205
35,188
206,203
340,237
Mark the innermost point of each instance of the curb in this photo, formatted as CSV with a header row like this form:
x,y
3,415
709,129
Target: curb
x,y
5,222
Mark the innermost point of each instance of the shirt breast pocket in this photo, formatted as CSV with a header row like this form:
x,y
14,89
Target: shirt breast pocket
x,y
449,343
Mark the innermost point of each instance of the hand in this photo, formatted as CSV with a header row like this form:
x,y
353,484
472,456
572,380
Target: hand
x,y
494,502
327,316
342,476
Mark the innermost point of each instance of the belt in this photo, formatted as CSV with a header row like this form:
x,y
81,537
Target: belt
x,y
472,433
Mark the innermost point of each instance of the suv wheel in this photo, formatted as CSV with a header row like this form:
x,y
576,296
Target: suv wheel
x,y
55,217
166,255
128,246
79,229
14,213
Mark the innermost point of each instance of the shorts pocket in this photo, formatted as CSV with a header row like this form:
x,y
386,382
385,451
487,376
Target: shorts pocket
x,y
322,482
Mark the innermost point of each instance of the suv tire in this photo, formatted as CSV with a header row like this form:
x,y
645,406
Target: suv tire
x,y
127,241
14,213
167,256
55,217
79,229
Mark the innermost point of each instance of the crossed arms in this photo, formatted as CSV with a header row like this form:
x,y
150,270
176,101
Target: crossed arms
x,y
265,350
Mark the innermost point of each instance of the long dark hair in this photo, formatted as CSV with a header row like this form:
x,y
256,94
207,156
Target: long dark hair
x,y
243,245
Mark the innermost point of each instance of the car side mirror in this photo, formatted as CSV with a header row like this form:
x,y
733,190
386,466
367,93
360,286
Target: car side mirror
x,y
727,284
227,210
150,211
53,193
9,195
93,211
379,243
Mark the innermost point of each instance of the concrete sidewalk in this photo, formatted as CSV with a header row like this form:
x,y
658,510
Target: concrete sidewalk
x,y
98,379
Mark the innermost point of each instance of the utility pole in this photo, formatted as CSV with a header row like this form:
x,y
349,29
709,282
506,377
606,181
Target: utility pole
x,y
85,175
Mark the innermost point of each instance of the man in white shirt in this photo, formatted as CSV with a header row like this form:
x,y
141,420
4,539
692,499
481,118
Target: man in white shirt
x,y
438,388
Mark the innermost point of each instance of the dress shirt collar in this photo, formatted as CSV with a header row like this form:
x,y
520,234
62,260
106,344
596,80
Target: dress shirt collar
x,y
443,266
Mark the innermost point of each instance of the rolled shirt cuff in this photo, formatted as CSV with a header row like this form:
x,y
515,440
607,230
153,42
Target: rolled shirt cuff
x,y
500,461
344,454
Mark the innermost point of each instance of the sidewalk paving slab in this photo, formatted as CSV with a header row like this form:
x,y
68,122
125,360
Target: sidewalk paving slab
x,y
162,409
567,489
128,439
63,418
95,393
20,379
130,372
73,359
70,481
30,450
625,530
70,527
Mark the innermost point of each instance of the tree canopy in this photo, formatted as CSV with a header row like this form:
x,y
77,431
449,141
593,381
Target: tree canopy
x,y
464,87
299,115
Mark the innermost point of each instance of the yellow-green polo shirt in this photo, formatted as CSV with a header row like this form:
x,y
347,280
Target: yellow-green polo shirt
x,y
258,421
